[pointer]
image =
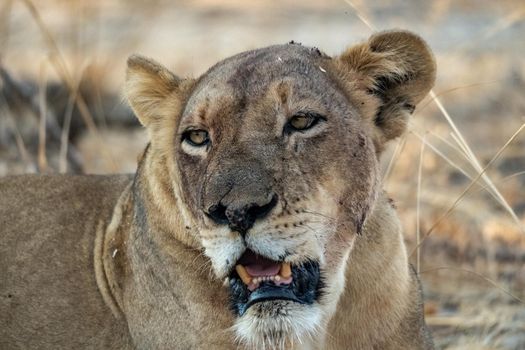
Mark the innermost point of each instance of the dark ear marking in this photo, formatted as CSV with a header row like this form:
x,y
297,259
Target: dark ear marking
x,y
386,83
387,108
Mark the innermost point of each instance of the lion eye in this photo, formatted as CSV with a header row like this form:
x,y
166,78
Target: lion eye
x,y
196,137
301,122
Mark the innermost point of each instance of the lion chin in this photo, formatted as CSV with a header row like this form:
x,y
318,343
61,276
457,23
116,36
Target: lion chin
x,y
278,324
276,302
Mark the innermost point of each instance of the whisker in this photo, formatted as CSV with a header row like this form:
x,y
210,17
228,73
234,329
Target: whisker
x,y
319,214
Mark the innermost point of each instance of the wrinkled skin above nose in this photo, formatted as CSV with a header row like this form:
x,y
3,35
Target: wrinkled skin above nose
x,y
239,194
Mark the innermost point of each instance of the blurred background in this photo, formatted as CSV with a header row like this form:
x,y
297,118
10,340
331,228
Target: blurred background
x,y
458,176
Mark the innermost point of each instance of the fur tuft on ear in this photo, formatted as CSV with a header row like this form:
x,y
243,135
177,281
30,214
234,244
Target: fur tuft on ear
x,y
148,84
399,69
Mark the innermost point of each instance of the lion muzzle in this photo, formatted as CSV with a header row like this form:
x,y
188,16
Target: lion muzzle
x,y
258,279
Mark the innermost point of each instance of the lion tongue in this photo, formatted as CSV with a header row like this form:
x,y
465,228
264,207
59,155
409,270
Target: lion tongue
x,y
257,265
264,269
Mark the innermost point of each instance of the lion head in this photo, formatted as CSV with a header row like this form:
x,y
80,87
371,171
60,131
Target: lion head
x,y
271,158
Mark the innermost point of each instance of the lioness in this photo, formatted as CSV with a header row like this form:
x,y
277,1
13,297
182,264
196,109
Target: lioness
x,y
255,218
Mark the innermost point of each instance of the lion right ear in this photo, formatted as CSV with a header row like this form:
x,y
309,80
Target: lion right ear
x,y
398,68
148,86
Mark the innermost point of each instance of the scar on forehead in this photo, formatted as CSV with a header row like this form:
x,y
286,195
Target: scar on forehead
x,y
202,109
283,91
210,105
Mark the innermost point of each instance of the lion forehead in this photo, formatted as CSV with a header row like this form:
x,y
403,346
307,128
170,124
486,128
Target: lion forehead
x,y
251,73
269,60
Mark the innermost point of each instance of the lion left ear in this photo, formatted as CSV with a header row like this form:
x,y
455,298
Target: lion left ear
x,y
398,68
147,84
154,93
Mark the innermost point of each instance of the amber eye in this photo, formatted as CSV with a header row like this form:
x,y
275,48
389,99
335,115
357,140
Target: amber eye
x,y
196,137
301,122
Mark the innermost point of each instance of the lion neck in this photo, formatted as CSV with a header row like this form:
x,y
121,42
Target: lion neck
x,y
154,278
374,301
159,201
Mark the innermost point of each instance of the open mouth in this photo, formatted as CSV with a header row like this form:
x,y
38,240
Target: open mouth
x,y
257,279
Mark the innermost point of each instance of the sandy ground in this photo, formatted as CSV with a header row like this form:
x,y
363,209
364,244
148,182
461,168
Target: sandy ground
x,y
472,264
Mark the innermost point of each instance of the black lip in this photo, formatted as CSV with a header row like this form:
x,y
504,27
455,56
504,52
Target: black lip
x,y
305,288
269,291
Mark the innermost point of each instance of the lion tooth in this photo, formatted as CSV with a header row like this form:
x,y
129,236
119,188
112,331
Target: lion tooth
x,y
243,274
286,270
277,278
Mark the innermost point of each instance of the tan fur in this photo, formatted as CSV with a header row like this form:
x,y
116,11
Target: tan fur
x,y
121,263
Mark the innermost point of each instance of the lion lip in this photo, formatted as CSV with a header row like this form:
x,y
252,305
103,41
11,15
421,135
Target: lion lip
x,y
268,292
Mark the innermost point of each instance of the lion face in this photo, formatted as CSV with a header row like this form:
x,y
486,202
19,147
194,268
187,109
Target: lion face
x,y
278,170
275,162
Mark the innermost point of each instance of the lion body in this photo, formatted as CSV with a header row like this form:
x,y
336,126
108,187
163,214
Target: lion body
x,y
48,293
51,299
145,262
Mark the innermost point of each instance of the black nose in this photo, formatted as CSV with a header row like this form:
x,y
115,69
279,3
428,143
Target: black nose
x,y
240,217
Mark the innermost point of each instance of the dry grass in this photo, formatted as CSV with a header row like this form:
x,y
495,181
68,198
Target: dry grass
x,y
458,176
462,148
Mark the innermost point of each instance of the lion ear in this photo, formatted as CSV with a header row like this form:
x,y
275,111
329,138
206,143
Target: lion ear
x,y
148,84
398,68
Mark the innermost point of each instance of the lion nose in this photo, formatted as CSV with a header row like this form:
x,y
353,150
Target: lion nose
x,y
240,217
